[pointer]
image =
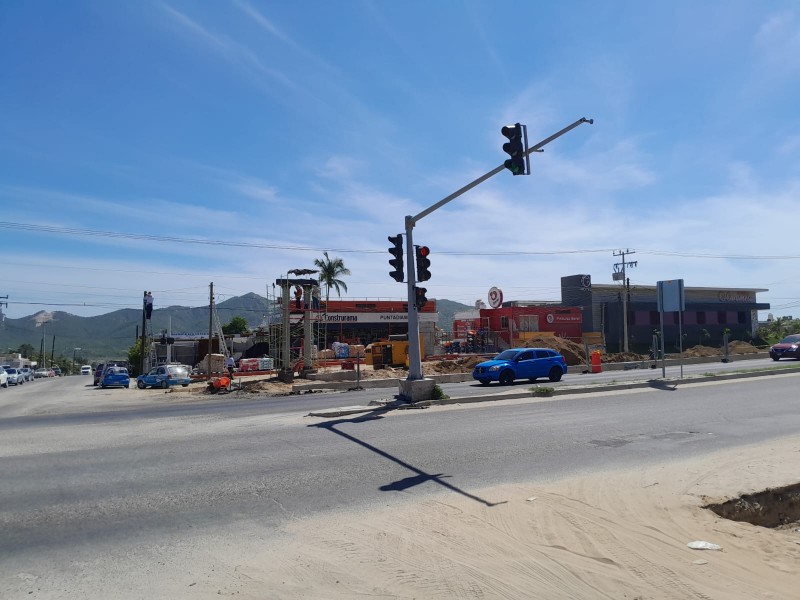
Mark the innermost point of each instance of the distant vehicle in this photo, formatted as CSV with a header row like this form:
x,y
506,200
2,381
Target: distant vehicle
x,y
164,376
115,377
788,347
521,363
86,370
15,376
28,372
3,378
57,371
41,373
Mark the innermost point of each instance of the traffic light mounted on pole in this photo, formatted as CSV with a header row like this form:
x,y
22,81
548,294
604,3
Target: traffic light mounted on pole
x,y
519,163
397,262
423,263
420,299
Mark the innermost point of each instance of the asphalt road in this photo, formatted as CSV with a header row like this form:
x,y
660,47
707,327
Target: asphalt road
x,y
91,501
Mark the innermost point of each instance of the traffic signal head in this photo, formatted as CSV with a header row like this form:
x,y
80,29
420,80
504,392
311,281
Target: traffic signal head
x,y
423,263
515,148
420,299
397,262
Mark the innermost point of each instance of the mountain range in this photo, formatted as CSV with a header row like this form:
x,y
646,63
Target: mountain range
x,y
111,334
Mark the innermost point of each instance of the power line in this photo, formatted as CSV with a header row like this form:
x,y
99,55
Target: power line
x,y
269,246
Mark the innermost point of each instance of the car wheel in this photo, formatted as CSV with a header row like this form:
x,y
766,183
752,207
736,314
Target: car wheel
x,y
483,381
164,384
506,378
140,385
775,358
185,384
555,374
127,386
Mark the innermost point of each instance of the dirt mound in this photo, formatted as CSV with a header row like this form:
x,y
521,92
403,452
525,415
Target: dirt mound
x,y
739,347
619,357
573,353
458,365
696,351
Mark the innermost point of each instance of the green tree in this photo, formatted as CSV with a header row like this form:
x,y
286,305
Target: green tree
x,y
330,272
236,325
135,357
26,350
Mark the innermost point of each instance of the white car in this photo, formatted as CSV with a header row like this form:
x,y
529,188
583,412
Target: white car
x,y
3,378
28,373
86,370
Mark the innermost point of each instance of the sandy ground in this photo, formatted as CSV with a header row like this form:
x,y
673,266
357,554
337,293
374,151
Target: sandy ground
x,y
606,535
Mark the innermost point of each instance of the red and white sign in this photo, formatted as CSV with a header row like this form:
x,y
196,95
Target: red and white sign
x,y
495,297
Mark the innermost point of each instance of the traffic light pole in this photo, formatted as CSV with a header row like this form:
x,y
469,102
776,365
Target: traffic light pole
x,y
414,354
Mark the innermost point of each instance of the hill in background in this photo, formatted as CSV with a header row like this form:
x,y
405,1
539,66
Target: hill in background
x,y
111,334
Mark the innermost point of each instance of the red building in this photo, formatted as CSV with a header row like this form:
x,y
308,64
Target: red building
x,y
509,326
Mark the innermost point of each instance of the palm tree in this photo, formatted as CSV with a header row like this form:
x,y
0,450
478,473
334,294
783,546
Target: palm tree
x,y
330,271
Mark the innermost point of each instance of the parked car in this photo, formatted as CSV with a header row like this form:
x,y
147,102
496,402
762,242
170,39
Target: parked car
x,y
28,373
788,347
164,376
38,373
3,378
521,363
86,370
57,371
15,376
115,377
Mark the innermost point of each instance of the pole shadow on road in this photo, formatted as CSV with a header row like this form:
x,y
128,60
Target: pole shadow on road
x,y
662,385
401,484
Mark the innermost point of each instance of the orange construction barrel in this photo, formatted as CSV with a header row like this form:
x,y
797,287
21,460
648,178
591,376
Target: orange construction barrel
x,y
596,366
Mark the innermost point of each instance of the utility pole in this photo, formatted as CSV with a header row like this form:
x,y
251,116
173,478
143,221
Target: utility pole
x,y
144,336
626,291
210,327
414,354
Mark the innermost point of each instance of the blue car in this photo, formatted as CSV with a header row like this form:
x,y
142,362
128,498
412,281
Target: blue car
x,y
521,363
115,377
164,376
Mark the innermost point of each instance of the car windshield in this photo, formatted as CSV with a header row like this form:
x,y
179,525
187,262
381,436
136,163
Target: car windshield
x,y
178,371
791,339
507,355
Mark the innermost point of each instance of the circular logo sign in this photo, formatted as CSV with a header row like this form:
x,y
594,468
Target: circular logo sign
x,y
495,297
550,318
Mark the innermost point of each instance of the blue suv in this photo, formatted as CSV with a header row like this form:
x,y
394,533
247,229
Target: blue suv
x,y
521,363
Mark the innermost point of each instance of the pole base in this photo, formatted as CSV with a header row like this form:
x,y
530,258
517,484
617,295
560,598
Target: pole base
x,y
415,390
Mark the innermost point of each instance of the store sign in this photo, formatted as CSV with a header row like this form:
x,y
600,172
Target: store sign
x,y
553,318
394,317
737,297
495,297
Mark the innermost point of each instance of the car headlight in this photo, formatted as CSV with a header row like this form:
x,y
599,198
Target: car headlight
x,y
794,346
494,368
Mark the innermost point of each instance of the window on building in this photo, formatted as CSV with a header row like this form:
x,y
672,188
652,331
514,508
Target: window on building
x,y
366,306
722,317
504,322
701,317
654,318
741,317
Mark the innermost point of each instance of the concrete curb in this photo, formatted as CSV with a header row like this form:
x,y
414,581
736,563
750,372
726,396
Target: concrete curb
x,y
565,391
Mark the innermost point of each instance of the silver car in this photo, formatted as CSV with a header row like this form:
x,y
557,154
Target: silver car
x,y
28,373
15,376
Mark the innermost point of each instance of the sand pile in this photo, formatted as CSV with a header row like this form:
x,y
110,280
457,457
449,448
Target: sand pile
x,y
573,353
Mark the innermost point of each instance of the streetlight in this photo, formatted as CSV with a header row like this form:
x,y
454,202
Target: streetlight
x,y
73,360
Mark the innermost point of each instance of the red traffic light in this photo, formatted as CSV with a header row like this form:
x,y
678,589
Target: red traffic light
x,y
424,251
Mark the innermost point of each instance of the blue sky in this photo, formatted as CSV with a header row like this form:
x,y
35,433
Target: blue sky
x,y
302,127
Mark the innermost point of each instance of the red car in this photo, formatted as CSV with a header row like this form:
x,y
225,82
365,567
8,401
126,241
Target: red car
x,y
788,347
